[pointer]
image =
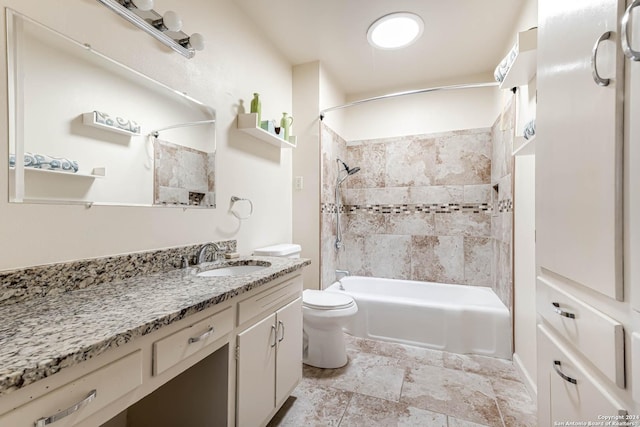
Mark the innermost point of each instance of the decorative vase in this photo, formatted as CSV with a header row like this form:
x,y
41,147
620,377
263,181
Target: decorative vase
x,y
285,123
256,106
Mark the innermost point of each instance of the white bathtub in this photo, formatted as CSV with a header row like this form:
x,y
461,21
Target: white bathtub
x,y
455,318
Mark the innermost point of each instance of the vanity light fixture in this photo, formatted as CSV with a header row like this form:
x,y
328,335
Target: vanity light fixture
x,y
165,28
395,31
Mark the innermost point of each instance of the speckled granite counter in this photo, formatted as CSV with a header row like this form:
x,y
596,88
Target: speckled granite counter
x,y
40,336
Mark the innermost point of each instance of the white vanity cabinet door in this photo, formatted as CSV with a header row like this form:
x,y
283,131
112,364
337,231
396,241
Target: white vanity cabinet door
x,y
289,353
579,144
256,374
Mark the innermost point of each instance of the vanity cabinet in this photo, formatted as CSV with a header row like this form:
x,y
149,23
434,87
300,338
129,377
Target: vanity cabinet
x,y
269,355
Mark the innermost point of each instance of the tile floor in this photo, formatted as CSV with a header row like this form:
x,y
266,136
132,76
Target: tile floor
x,y
386,384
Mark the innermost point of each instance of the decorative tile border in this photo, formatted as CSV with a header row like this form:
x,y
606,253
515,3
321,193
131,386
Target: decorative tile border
x,y
415,207
39,281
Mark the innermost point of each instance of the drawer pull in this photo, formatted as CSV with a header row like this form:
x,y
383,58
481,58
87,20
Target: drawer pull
x,y
281,324
561,312
594,56
202,337
556,367
275,335
42,422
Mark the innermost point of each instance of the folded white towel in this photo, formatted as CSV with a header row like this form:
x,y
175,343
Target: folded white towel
x,y
506,63
40,161
530,129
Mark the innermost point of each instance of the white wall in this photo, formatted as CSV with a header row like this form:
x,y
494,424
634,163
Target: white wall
x,y
423,113
236,62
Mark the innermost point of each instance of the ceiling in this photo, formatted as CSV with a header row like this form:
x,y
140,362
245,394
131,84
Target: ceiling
x,y
462,39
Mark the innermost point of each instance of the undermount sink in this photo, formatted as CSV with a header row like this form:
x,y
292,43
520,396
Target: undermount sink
x,y
232,270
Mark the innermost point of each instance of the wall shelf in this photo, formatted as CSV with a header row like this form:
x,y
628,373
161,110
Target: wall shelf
x,y
248,123
95,173
524,147
524,66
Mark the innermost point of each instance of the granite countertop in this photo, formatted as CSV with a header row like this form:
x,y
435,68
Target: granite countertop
x,y
41,336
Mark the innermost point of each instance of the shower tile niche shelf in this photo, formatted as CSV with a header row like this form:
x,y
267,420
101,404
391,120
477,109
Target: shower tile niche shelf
x,y
524,66
248,123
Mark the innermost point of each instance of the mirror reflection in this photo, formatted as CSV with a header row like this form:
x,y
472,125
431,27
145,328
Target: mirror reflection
x,y
90,130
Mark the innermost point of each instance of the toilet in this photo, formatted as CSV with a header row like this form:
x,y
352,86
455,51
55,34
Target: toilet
x,y
324,314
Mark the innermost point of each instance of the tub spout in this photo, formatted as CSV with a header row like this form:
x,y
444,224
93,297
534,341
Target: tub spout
x,y
343,272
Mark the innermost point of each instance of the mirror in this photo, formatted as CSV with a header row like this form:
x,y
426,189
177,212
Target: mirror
x,y
93,131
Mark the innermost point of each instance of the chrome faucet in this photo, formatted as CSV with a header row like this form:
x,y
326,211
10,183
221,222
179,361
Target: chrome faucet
x,y
202,252
343,272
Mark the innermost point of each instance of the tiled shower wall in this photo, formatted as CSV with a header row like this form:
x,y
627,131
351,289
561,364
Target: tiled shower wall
x,y
423,207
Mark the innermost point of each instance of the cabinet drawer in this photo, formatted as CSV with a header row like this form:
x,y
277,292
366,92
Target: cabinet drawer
x,y
596,335
188,341
574,394
270,299
80,398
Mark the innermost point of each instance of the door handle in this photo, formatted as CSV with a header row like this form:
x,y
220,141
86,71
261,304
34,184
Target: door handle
x,y
625,35
594,55
561,312
42,422
275,335
281,324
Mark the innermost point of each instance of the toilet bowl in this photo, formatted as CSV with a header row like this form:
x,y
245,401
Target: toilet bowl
x,y
324,314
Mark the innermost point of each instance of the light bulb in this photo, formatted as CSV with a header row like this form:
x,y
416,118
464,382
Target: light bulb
x,y
172,21
196,41
143,4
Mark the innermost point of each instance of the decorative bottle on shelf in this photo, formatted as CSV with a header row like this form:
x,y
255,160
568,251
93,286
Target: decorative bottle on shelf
x,y
285,123
256,107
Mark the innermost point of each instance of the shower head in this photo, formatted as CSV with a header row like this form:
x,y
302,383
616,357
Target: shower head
x,y
350,171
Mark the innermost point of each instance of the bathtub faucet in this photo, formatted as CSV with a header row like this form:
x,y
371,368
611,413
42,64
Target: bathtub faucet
x,y
343,272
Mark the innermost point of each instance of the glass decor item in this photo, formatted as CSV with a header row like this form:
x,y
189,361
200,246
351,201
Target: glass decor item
x,y
285,123
256,106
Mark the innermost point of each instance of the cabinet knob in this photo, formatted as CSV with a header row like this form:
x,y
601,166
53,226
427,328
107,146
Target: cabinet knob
x,y
594,56
633,55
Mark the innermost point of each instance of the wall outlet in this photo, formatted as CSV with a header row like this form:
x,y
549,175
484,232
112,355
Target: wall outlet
x,y
299,183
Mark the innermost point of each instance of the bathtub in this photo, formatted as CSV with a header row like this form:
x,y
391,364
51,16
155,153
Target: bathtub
x,y
454,318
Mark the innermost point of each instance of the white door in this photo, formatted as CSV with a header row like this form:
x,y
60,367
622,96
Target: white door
x,y
289,360
256,373
579,144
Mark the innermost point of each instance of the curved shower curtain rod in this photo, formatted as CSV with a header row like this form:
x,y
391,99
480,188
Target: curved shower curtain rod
x,y
408,92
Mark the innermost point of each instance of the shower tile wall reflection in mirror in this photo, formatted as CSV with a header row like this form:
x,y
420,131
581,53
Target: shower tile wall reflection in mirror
x,y
70,104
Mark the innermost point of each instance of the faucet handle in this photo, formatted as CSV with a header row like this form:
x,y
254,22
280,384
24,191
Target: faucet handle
x,y
184,261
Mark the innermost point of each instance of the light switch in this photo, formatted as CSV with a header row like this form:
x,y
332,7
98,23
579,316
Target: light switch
x,y
299,183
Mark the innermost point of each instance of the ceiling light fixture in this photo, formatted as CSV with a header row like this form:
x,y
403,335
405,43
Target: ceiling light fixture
x,y
395,31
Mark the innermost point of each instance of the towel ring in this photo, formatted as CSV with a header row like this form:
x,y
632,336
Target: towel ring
x,y
235,199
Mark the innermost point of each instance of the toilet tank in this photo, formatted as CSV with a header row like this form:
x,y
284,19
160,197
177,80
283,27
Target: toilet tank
x,y
283,250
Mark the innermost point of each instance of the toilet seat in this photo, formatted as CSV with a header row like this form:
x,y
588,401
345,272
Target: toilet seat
x,y
322,300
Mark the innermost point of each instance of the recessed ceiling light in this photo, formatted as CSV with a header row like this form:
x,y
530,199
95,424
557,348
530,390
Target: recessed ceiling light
x,y
395,30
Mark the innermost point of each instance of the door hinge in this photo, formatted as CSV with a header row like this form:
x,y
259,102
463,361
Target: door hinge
x,y
237,352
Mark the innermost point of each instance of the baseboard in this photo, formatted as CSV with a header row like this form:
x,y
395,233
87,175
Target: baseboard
x,y
529,382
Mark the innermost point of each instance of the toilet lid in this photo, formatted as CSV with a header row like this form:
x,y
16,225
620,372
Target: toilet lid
x,y
322,300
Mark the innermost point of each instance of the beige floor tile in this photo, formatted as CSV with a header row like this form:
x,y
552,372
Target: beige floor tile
x,y
365,373
454,422
312,405
515,403
487,366
402,352
373,412
464,395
